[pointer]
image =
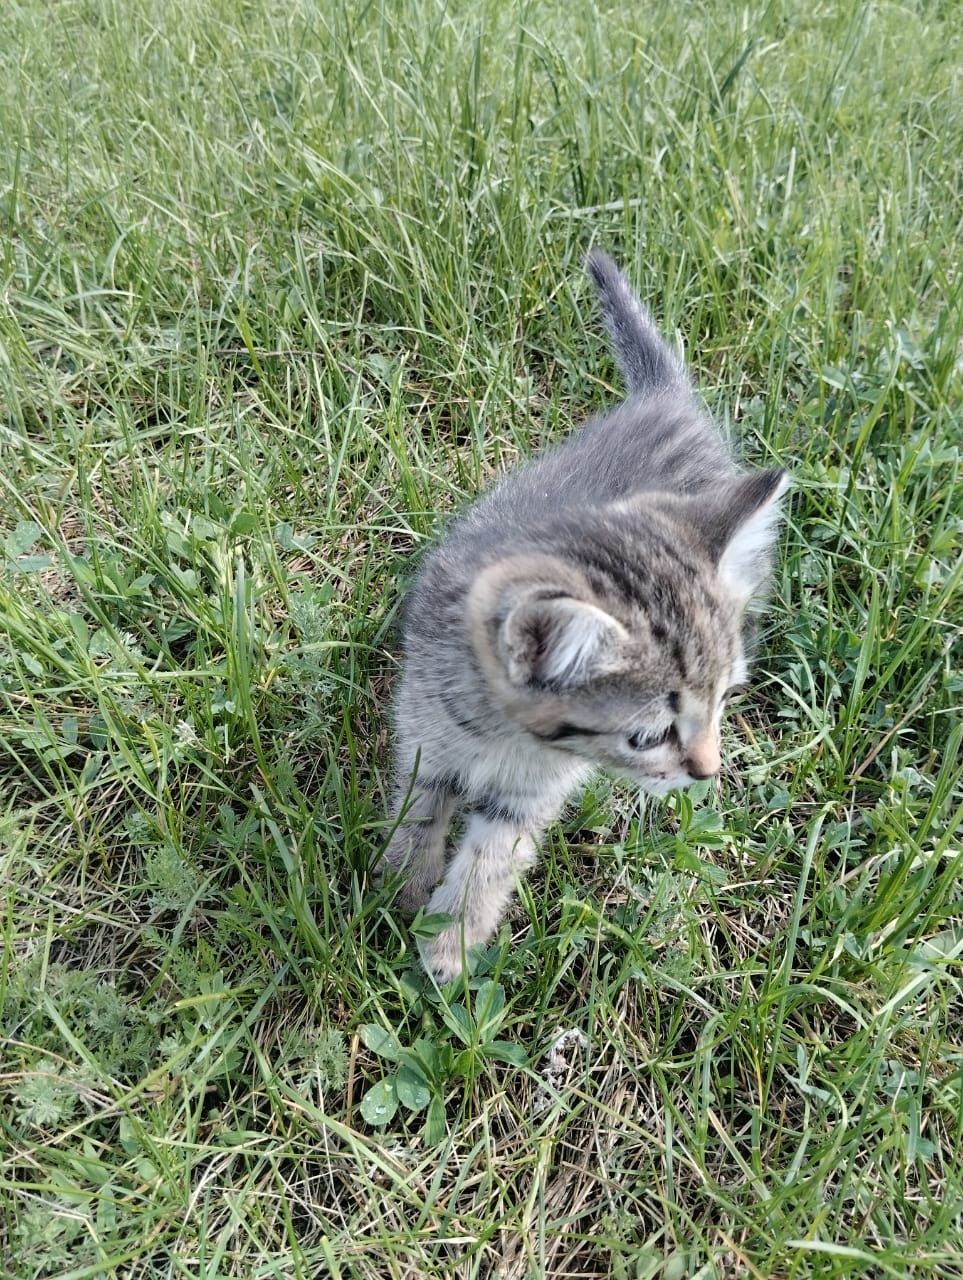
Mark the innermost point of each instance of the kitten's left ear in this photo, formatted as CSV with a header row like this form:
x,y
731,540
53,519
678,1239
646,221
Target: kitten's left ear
x,y
558,640
534,624
742,528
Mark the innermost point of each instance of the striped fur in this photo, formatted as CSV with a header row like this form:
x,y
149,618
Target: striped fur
x,y
588,612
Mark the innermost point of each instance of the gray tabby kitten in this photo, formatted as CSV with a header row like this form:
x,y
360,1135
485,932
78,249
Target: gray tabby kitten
x,y
586,613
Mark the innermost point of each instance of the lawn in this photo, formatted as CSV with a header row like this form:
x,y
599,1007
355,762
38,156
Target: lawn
x,y
282,285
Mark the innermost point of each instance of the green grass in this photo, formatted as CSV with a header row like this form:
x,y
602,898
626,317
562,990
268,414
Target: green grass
x,y
280,286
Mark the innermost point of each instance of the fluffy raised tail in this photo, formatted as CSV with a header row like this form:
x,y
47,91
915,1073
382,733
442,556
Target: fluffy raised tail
x,y
646,362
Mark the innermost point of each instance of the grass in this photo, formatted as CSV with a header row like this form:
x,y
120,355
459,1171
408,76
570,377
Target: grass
x,y
281,286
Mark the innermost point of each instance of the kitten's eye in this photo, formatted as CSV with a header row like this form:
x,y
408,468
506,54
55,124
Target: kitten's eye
x,y
641,741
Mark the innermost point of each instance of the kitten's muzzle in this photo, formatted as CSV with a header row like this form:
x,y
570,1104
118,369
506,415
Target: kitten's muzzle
x,y
702,759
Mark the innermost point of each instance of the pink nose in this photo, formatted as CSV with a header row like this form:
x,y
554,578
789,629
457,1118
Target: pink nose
x,y
702,758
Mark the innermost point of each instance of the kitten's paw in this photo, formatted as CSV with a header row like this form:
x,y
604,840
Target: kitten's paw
x,y
415,881
442,955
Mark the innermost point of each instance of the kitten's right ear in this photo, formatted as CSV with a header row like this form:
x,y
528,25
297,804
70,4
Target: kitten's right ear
x,y
739,524
558,641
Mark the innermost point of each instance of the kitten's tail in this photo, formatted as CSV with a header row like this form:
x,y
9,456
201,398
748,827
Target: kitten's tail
x,y
646,362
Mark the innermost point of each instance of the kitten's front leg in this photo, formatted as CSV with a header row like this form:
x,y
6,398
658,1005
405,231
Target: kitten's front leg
x,y
417,845
492,856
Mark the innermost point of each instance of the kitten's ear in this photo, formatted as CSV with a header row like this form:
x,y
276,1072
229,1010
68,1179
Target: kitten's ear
x,y
741,528
558,640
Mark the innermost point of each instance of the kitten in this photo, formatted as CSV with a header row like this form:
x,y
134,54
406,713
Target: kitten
x,y
588,612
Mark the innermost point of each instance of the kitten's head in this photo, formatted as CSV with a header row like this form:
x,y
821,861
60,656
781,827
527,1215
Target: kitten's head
x,y
622,644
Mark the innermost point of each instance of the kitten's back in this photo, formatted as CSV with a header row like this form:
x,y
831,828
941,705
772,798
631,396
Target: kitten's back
x,y
658,439
661,442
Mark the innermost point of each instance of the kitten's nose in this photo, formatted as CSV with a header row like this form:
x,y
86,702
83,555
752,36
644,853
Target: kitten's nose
x,y
703,759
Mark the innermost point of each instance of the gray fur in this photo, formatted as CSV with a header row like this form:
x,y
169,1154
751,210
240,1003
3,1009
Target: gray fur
x,y
646,362
586,612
